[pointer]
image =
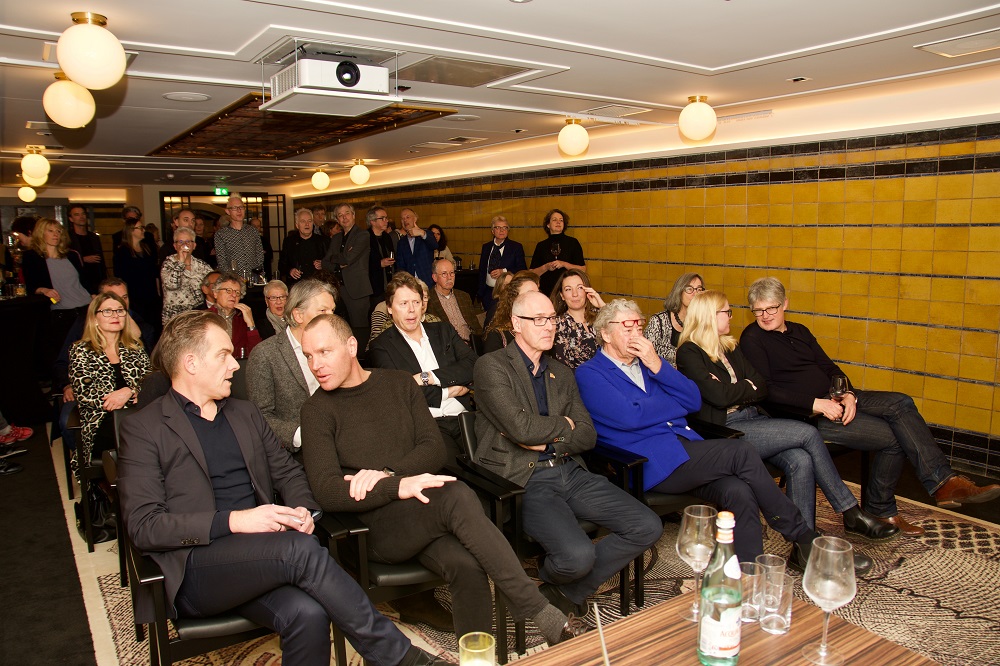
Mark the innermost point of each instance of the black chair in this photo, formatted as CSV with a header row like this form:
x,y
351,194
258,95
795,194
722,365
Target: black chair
x,y
91,471
239,384
57,433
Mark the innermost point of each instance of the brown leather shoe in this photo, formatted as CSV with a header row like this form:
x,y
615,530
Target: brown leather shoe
x,y
959,490
909,529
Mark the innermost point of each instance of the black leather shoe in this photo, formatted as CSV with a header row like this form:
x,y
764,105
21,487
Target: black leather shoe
x,y
574,627
11,450
7,468
560,600
860,523
417,657
424,608
800,558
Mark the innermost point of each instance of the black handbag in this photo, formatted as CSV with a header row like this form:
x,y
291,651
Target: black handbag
x,y
101,515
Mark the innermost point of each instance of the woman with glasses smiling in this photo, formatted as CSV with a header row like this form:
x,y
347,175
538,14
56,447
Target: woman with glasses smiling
x,y
106,367
181,276
664,329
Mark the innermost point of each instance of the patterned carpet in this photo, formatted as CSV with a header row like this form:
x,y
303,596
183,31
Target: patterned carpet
x,y
938,595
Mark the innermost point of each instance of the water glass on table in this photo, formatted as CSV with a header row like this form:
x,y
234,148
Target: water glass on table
x,y
776,611
476,648
774,566
752,578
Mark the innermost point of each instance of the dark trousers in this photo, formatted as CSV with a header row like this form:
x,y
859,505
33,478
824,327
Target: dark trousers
x,y
452,537
730,474
554,498
288,582
451,432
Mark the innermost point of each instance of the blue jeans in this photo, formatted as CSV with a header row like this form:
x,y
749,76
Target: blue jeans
x,y
797,449
554,498
890,424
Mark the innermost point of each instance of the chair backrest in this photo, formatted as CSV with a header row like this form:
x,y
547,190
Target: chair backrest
x,y
467,422
239,383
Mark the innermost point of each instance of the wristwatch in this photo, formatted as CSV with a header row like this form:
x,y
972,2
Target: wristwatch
x,y
425,377
390,471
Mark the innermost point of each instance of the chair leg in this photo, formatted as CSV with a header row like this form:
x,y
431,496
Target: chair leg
x,y
520,639
88,525
140,633
623,589
640,586
339,647
500,608
69,470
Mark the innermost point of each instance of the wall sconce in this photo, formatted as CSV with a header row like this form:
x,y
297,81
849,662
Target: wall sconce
x,y
67,103
573,138
34,164
26,194
34,182
320,180
89,54
697,120
360,173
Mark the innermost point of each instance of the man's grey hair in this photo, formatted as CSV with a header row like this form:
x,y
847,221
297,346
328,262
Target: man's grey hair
x,y
229,277
442,261
336,209
373,213
303,292
611,312
273,285
498,218
208,280
766,289
184,231
302,211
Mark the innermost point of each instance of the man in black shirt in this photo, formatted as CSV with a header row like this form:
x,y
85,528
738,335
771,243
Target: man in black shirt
x,y
88,244
799,376
303,250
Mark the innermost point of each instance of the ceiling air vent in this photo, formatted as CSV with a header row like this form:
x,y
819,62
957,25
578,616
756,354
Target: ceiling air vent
x,y
455,72
454,142
615,111
964,45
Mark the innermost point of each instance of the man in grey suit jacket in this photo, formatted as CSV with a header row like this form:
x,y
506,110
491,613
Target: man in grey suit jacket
x,y
199,473
278,377
348,257
531,428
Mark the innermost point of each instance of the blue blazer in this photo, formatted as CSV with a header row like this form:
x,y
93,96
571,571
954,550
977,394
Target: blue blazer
x,y
419,262
644,422
512,260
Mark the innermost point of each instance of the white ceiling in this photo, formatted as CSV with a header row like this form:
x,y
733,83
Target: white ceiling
x,y
580,55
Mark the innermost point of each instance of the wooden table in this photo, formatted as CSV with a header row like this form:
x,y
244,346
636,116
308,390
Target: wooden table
x,y
658,636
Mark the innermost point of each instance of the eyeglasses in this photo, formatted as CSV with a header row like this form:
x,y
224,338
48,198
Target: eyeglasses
x,y
690,290
759,312
631,323
381,218
276,298
228,290
236,209
501,228
447,273
112,313
184,243
728,313
540,321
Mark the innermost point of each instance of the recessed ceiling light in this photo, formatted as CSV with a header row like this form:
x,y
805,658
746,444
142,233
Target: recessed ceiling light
x,y
187,97
462,118
518,131
520,2
798,79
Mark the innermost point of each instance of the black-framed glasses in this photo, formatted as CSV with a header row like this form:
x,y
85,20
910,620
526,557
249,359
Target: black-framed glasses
x,y
690,290
447,273
540,321
109,313
382,218
229,290
631,323
236,209
759,312
728,313
276,298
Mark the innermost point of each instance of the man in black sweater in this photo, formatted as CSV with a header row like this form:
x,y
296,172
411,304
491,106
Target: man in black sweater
x,y
799,375
381,463
303,251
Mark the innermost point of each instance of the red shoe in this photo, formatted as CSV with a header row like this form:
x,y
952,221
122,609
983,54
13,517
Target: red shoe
x,y
16,434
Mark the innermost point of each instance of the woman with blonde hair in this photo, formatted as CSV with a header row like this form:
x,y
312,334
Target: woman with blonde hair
x,y
576,303
730,390
499,332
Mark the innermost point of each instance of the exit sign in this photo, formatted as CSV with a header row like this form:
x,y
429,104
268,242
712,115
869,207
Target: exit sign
x,y
221,191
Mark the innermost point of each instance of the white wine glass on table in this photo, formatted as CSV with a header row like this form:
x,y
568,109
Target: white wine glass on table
x,y
838,389
829,581
695,543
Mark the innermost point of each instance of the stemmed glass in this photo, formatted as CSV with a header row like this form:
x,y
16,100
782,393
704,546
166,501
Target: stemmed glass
x,y
838,389
829,581
694,545
555,249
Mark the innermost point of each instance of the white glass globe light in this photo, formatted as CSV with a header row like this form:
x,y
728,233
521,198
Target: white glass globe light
x,y
34,182
34,165
360,174
26,194
320,180
573,139
91,56
69,104
698,120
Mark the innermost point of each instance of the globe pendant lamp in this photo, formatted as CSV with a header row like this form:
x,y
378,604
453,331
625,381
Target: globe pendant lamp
x,y
26,194
89,54
35,165
320,180
698,119
34,182
360,173
573,138
68,104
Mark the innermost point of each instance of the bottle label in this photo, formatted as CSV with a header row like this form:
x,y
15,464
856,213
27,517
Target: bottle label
x,y
721,638
732,568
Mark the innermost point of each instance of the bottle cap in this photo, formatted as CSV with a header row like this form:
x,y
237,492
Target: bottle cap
x,y
725,521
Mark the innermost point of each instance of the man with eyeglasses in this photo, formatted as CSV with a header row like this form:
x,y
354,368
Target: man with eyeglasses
x,y
498,256
238,247
347,256
242,329
381,253
303,250
799,376
639,402
531,428
449,304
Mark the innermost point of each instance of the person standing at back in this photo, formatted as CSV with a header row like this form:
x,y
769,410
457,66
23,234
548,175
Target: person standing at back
x,y
88,244
347,256
500,255
238,247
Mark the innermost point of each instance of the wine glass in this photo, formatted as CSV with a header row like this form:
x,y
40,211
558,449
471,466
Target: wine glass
x,y
838,389
694,545
829,581
555,249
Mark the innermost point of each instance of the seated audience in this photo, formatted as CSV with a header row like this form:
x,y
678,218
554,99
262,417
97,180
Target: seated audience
x,y
303,251
452,305
531,429
498,256
181,276
432,353
442,240
135,263
498,288
576,304
275,299
664,328
639,402
105,368
799,373
382,320
199,500
557,253
731,389
382,464
499,333
278,377
415,250
228,290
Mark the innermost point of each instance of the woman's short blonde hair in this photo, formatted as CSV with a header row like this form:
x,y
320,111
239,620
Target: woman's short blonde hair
x,y
701,327
38,238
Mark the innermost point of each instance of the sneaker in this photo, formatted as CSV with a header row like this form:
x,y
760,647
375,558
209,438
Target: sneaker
x,y
959,490
16,434
7,467
11,450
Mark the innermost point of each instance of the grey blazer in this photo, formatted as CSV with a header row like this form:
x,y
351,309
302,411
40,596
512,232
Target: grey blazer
x,y
508,414
275,384
352,261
